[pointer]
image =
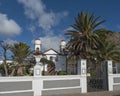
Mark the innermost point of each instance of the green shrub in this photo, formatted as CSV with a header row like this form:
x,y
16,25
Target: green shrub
x,y
92,73
1,67
62,73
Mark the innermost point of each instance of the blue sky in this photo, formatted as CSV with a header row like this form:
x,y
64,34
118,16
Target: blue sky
x,y
25,20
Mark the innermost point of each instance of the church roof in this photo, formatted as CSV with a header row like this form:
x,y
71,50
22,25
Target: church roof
x,y
51,52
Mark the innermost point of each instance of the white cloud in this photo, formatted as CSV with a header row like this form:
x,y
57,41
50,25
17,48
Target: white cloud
x,y
8,27
10,41
37,11
69,28
32,28
44,19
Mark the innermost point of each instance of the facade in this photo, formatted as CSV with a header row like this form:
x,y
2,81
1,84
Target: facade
x,y
59,58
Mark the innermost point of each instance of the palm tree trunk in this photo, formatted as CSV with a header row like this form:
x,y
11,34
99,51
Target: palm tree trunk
x,y
12,73
20,70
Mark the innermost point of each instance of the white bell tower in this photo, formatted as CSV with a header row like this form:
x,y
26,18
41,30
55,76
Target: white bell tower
x,y
37,45
62,46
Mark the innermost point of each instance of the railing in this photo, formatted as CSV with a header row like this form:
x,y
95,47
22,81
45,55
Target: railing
x,y
96,83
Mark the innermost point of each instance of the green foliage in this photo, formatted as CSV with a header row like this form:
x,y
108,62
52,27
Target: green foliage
x,y
108,51
62,73
1,67
11,66
25,71
103,34
83,37
87,41
5,46
51,65
2,71
20,51
92,73
45,61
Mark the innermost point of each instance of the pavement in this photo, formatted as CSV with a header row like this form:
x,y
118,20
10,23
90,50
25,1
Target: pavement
x,y
101,93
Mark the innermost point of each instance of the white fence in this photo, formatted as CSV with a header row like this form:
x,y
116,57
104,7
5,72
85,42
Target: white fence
x,y
39,85
59,85
114,82
43,85
16,86
113,79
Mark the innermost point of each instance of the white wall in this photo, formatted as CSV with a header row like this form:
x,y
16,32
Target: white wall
x,y
17,88
59,60
38,87
61,63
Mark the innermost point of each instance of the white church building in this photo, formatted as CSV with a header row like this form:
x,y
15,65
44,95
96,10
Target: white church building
x,y
59,58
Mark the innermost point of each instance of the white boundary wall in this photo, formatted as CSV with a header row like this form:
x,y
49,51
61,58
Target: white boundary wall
x,y
114,82
43,85
113,79
12,86
50,85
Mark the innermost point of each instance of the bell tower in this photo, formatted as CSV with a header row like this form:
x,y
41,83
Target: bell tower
x,y
62,46
37,45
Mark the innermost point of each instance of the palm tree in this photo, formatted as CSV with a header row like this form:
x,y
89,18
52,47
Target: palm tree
x,y
20,52
83,37
108,51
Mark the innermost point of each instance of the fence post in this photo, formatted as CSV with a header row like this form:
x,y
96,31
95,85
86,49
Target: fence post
x,y
37,86
83,75
37,79
110,75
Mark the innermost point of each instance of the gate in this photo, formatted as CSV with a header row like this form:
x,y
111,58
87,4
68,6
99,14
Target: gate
x,y
98,81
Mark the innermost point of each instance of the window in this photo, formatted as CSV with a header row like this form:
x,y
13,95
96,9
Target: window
x,y
51,58
37,49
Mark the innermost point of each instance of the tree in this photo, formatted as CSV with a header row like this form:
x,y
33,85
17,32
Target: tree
x,y
103,34
50,66
44,62
1,69
108,51
109,46
5,46
20,52
83,37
